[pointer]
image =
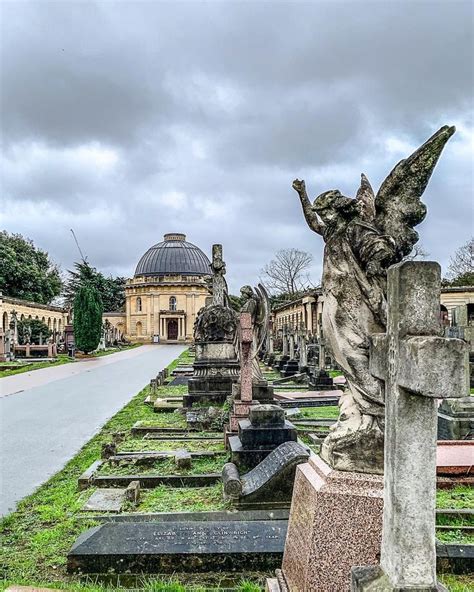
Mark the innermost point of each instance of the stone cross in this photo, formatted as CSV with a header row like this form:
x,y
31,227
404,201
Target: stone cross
x,y
303,349
418,367
285,341
292,346
322,353
246,340
219,287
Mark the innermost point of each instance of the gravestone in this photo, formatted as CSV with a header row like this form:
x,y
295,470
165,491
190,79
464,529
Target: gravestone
x,y
270,483
105,500
243,391
264,431
456,419
320,380
170,547
419,360
216,365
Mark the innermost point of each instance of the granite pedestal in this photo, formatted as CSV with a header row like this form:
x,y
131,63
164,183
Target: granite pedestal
x,y
216,369
264,431
335,523
290,368
321,381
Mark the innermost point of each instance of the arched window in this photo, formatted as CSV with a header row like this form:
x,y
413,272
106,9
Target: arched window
x,y
139,304
5,321
172,302
139,329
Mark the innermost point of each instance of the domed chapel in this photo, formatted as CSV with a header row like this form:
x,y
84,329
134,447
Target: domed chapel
x,y
166,292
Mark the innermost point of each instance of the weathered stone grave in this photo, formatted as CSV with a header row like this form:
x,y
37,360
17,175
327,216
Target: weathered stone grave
x,y
216,365
170,547
264,431
418,362
456,419
270,483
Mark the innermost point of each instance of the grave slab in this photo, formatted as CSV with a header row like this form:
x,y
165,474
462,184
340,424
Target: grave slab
x,y
170,547
455,457
105,500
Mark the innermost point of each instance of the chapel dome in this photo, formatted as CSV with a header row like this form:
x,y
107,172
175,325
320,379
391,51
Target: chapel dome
x,y
173,256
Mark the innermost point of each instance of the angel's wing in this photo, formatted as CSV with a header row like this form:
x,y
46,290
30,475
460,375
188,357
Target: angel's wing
x,y
398,207
366,197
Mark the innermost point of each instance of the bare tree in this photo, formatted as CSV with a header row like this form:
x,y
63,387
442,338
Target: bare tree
x,y
418,252
286,272
462,262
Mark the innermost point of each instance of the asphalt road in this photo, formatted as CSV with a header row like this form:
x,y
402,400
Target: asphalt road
x,y
46,416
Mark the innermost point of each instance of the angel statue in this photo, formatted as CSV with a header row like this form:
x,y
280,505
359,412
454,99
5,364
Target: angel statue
x,y
257,304
363,237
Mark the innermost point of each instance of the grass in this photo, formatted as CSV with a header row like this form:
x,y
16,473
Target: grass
x,y
460,497
457,583
165,419
326,412
137,444
38,535
164,467
19,367
190,499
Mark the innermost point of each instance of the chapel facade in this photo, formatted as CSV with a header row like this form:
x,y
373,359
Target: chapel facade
x,y
166,292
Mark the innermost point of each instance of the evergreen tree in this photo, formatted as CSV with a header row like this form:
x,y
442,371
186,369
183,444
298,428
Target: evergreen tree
x,y
87,318
111,290
26,272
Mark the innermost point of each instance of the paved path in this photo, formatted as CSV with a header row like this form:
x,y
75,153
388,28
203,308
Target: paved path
x,y
47,415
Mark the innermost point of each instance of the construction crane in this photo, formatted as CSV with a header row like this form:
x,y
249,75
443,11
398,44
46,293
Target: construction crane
x,y
84,260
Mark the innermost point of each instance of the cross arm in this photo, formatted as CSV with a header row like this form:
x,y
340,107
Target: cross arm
x,y
429,366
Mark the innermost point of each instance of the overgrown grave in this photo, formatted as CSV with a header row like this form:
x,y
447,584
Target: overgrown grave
x,y
166,454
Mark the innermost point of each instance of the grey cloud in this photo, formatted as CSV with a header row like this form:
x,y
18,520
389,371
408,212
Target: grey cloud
x,y
213,108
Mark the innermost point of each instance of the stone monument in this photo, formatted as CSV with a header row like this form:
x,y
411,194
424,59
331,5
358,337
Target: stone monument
x,y
418,362
270,483
242,390
363,237
336,513
257,304
216,367
264,430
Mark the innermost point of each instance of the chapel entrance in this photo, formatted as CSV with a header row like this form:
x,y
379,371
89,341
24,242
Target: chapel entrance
x,y
172,330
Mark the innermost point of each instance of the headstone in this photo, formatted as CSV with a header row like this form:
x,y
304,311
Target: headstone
x,y
242,391
259,435
216,367
132,492
105,500
321,381
183,459
170,547
419,360
270,483
456,419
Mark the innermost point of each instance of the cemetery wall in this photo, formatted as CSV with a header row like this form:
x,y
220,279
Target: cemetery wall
x,y
302,312
55,317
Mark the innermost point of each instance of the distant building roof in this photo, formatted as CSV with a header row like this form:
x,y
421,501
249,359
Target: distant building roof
x,y
173,256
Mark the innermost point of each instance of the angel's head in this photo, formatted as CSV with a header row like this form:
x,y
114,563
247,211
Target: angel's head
x,y
246,292
332,205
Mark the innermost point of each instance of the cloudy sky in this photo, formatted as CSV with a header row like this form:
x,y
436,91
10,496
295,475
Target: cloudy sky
x,y
126,120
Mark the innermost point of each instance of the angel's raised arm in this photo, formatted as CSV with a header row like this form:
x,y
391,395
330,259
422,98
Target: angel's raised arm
x,y
311,217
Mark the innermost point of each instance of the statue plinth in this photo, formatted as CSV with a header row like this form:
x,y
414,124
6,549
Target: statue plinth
x,y
335,523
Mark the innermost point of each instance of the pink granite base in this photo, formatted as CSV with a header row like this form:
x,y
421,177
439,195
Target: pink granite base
x,y
335,523
241,410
